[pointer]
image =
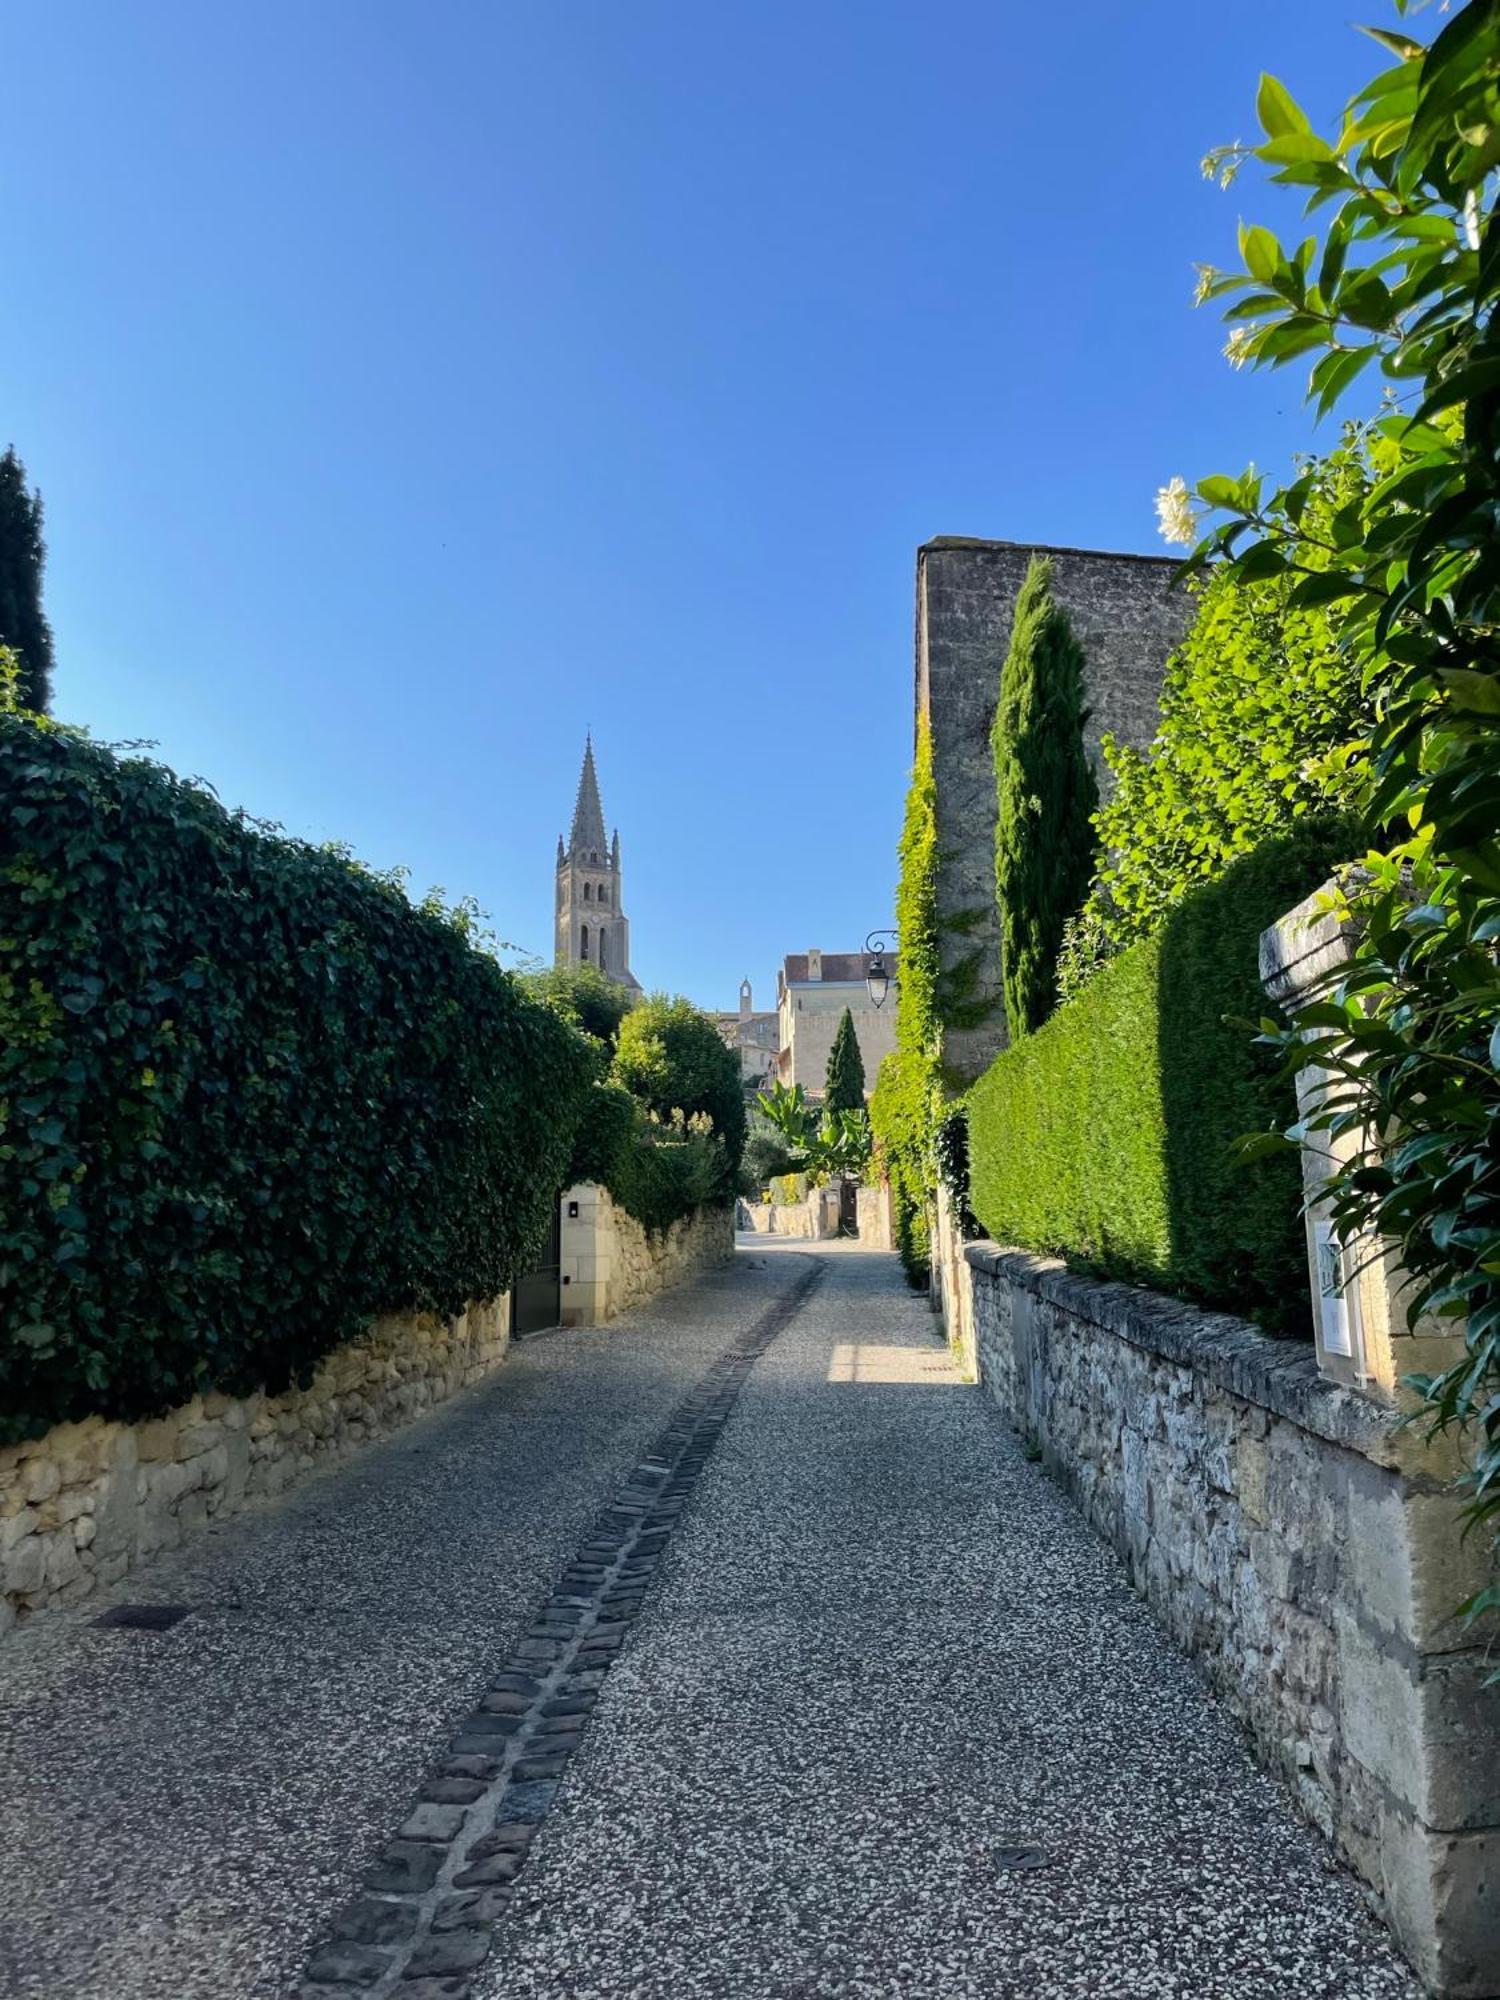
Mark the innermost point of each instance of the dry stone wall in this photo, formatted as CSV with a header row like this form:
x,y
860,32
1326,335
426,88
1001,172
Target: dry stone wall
x,y
1299,1544
645,1264
82,1505
610,1261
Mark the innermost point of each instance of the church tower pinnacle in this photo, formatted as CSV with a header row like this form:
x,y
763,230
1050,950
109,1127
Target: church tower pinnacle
x,y
592,928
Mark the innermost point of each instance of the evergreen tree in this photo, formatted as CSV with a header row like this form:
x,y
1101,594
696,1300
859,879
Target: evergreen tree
x,y
23,624
844,1083
1045,796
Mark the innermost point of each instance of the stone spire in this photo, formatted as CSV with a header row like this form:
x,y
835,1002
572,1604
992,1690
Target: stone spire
x,y
591,924
588,813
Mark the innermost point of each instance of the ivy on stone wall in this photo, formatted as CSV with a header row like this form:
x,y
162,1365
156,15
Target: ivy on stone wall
x,y
1256,707
249,1095
908,1097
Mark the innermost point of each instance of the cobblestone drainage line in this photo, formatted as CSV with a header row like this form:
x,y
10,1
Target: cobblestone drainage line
x,y
436,1892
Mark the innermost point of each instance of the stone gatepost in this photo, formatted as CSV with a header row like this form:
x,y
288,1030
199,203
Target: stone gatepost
x,y
1420,1730
586,1255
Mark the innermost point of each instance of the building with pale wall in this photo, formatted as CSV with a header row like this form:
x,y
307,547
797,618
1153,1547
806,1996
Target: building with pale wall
x,y
755,1039
812,990
592,928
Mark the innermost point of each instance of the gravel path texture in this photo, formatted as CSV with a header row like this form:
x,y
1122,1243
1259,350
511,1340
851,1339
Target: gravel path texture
x,y
181,1811
890,1722
886,1664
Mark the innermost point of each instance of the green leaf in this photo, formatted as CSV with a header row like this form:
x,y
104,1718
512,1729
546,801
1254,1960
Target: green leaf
x,y
1278,111
1261,252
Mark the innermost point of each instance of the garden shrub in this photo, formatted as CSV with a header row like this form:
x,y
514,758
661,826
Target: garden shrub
x,y
656,1173
1108,1136
671,1057
249,1095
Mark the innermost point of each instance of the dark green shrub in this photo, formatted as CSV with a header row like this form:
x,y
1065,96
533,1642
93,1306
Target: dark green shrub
x,y
844,1079
23,556
607,1128
1108,1136
1045,798
585,999
249,1096
656,1173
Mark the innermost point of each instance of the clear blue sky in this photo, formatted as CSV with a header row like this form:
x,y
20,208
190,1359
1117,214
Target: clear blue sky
x,y
414,383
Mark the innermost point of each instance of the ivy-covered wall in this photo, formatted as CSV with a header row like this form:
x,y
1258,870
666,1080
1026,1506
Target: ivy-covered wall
x,y
250,1097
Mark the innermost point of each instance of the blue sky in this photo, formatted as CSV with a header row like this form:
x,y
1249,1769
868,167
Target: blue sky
x,y
412,386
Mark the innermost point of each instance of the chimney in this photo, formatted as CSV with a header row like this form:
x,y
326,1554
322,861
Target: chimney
x,y
815,965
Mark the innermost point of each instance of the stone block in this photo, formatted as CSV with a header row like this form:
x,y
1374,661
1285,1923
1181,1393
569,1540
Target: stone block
x,y
1427,1729
1440,1892
1410,1563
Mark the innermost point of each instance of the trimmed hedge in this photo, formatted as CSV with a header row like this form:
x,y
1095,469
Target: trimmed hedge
x,y
249,1096
1107,1136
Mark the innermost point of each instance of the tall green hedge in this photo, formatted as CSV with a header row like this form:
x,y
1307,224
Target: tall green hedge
x,y
249,1096
1107,1137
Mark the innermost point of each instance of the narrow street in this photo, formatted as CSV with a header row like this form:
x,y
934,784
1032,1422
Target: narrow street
x,y
881,1718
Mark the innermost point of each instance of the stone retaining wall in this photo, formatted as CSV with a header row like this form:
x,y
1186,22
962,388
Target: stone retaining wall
x,y
82,1505
1299,1544
610,1262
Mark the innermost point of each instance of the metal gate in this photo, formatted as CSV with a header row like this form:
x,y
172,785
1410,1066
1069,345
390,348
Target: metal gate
x,y
848,1208
536,1298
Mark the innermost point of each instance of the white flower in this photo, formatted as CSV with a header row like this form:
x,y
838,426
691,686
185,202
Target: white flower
x,y
1174,513
1235,348
1207,277
1471,218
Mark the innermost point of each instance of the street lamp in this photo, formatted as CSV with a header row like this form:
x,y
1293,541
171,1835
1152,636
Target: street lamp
x,y
877,972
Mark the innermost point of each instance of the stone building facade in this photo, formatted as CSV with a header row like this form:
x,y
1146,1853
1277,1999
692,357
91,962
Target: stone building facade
x,y
754,1038
592,928
1128,615
812,990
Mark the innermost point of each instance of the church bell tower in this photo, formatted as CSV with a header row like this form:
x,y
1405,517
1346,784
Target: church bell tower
x,y
592,928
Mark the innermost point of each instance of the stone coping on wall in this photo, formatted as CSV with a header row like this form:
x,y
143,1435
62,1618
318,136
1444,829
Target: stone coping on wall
x,y
1278,1375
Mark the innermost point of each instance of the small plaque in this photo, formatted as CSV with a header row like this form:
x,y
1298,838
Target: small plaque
x,y
1333,1303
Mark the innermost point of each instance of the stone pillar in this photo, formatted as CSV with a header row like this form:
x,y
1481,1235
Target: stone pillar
x,y
1421,1729
587,1255
1359,1290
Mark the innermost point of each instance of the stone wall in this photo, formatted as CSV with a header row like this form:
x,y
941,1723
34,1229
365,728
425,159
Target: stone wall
x,y
1128,616
610,1262
817,1218
950,1290
81,1506
1299,1544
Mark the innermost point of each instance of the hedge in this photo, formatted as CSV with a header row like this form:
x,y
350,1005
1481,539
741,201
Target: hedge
x,y
249,1096
1108,1135
655,1174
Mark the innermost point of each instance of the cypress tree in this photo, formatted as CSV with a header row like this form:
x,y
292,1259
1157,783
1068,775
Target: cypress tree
x,y
1045,798
23,624
844,1082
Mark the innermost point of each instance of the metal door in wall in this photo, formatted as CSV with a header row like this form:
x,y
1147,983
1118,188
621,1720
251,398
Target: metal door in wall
x,y
848,1208
536,1300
